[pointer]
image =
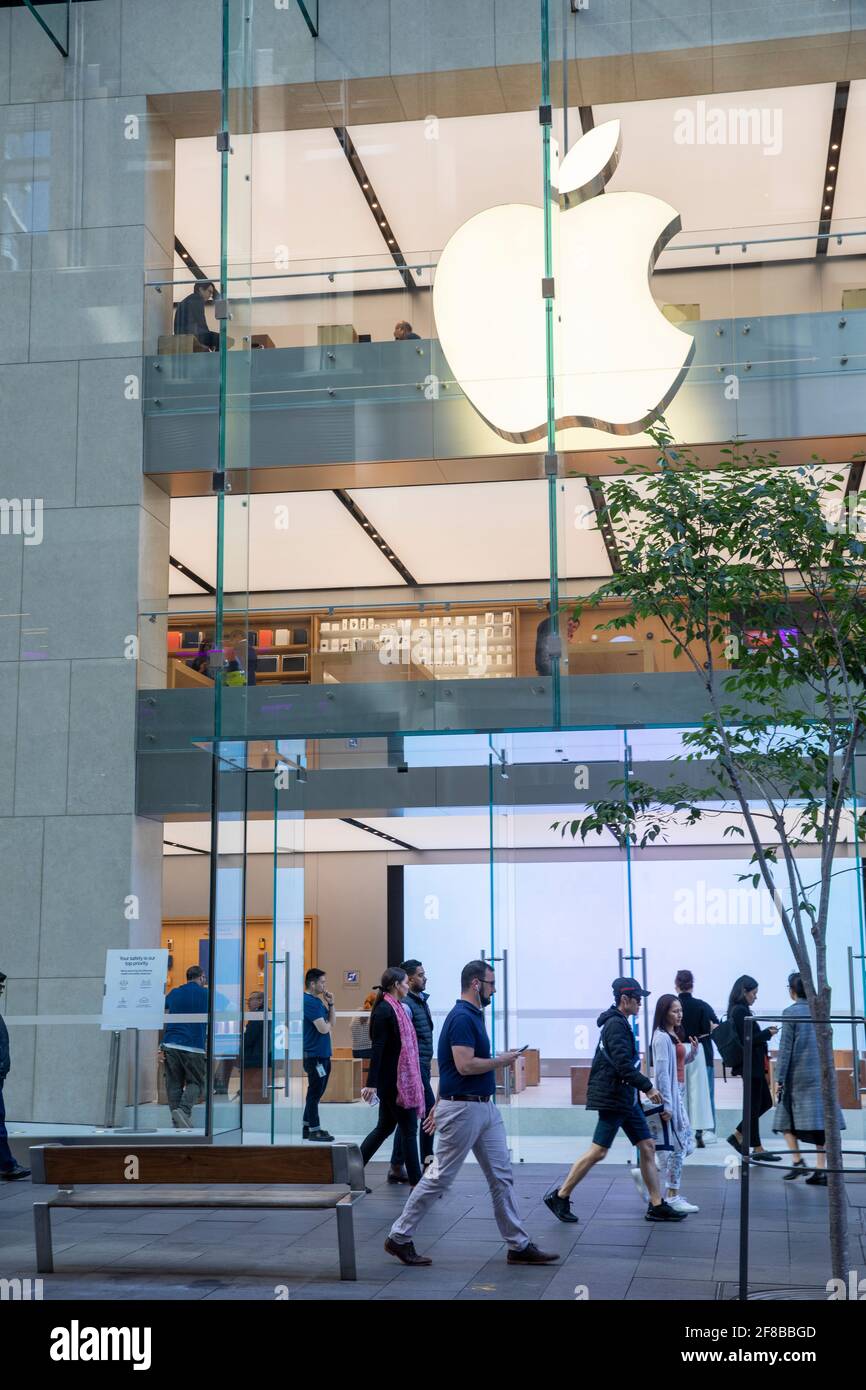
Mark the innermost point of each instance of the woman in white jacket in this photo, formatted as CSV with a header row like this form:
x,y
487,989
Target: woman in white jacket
x,y
671,1055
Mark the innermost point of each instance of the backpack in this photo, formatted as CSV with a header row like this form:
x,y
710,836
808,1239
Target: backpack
x,y
726,1040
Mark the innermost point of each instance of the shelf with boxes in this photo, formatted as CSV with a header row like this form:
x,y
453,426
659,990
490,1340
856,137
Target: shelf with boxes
x,y
423,642
273,647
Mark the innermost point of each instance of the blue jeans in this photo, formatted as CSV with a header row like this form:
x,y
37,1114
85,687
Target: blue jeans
x,y
711,1078
7,1159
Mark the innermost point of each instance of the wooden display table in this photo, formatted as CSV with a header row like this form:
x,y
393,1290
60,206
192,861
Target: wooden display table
x,y
345,1081
579,1082
532,1060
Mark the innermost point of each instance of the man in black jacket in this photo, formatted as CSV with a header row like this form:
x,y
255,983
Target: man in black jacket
x,y
423,1021
10,1169
614,1082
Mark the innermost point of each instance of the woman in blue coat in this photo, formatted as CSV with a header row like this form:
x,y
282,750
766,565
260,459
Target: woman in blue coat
x,y
800,1109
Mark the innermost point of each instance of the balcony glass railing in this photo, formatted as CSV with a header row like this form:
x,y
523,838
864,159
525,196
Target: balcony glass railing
x,y
330,342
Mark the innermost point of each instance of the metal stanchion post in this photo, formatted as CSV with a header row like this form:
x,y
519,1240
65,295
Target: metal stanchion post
x,y
748,1046
111,1084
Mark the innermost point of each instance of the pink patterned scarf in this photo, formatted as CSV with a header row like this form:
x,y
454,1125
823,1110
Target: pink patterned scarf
x,y
410,1091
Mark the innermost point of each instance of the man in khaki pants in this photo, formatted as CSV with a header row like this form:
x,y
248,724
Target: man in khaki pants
x,y
466,1118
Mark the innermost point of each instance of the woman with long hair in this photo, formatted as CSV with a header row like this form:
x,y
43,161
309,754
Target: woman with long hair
x,y
394,1078
742,997
671,1055
800,1108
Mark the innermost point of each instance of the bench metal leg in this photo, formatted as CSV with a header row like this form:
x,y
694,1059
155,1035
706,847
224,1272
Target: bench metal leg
x,y
42,1224
346,1241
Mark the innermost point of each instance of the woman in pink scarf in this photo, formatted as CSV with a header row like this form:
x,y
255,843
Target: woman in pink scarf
x,y
394,1077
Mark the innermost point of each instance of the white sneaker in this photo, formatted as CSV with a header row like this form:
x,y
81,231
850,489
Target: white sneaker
x,y
680,1204
637,1179
710,1138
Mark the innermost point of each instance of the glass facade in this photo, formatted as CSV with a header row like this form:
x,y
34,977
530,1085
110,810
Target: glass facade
x,y
307,335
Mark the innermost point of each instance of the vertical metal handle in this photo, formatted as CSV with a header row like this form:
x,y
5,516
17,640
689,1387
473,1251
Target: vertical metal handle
x,y
505,993
855,1055
646,1032
266,1047
287,1059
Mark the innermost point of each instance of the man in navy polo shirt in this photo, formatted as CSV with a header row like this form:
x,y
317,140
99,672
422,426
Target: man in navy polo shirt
x,y
465,1117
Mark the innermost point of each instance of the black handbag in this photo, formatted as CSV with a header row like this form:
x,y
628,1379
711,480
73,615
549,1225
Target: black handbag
x,y
727,1041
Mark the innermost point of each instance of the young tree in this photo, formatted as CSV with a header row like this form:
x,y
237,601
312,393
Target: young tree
x,y
755,573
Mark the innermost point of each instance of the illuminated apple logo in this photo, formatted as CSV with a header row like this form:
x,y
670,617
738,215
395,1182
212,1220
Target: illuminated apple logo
x,y
617,360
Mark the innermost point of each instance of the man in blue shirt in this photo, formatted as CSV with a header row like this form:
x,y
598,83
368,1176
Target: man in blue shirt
x,y
466,1117
318,1026
184,1048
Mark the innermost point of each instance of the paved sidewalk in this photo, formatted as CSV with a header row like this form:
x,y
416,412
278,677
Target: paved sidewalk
x,y
611,1254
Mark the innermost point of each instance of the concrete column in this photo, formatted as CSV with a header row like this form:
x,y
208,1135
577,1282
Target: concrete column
x,y
86,208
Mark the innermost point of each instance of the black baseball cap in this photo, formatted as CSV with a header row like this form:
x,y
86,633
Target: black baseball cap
x,y
626,985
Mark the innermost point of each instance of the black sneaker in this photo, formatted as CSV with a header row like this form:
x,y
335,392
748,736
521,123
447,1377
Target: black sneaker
x,y
664,1212
560,1206
321,1136
818,1179
764,1156
13,1174
305,1132
796,1171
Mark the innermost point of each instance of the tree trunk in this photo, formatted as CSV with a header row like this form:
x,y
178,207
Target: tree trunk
x,y
836,1198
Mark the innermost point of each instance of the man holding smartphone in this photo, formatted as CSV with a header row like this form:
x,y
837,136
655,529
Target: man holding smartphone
x,y
318,1027
466,1118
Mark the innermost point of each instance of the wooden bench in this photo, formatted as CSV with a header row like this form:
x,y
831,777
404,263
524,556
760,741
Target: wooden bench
x,y
216,1176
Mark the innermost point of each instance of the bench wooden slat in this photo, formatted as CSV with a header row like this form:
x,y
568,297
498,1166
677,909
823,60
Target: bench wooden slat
x,y
324,1198
171,1163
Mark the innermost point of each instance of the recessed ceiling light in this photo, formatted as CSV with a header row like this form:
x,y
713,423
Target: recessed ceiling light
x,y
834,147
826,207
832,168
365,185
383,224
829,188
374,205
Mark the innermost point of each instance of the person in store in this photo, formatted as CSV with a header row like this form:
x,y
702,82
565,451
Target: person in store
x,y
546,636
360,1028
422,1020
184,1048
800,1108
10,1169
615,1081
671,1055
190,317
742,997
201,661
318,1030
403,330
699,1020
394,1078
466,1118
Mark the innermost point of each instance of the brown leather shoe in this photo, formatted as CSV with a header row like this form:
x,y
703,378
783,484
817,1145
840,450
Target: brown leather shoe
x,y
531,1255
406,1252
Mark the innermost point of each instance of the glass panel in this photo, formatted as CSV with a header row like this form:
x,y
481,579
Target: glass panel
x,y
54,19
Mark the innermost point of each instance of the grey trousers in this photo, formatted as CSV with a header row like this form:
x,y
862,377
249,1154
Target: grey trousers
x,y
462,1126
185,1079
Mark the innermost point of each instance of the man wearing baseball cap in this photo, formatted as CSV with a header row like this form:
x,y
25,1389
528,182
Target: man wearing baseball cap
x,y
614,1083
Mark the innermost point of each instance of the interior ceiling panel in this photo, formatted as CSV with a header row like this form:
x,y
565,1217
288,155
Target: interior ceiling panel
x,y
451,830
457,534
277,541
849,203
330,224
477,532
758,188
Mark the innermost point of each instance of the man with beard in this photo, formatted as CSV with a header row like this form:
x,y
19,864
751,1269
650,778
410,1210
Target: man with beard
x,y
466,1117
